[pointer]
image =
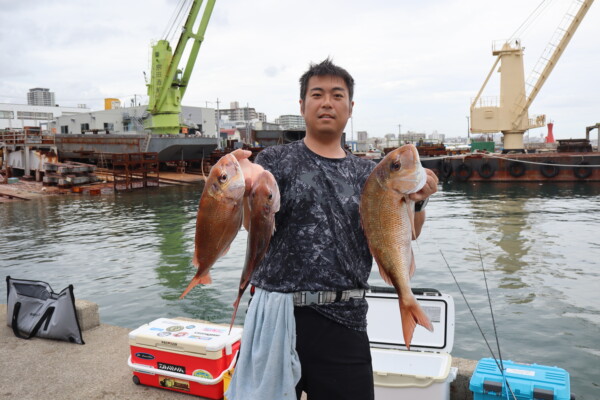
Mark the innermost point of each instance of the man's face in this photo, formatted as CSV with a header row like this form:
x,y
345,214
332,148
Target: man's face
x,y
327,106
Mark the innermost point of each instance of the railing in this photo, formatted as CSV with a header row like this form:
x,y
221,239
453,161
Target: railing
x,y
513,44
22,138
537,121
488,101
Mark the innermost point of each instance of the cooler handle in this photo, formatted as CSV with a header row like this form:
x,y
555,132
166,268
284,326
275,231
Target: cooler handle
x,y
202,381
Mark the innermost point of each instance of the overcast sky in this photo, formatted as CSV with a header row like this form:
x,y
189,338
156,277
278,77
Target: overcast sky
x,y
416,64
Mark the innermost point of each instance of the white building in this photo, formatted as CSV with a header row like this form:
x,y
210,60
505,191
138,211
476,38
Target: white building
x,y
362,141
199,121
40,97
291,121
17,116
412,137
237,113
438,137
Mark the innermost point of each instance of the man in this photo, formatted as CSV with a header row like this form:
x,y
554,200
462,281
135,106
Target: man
x,y
318,254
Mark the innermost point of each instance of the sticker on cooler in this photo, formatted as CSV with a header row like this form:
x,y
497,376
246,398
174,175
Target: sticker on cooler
x,y
171,368
201,373
520,372
173,383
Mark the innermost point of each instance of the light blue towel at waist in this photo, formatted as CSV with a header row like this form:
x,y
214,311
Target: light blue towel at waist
x,y
268,367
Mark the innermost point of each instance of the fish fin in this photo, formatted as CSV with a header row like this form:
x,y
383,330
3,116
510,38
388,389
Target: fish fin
x,y
225,251
413,266
410,210
384,275
202,168
412,314
204,279
235,308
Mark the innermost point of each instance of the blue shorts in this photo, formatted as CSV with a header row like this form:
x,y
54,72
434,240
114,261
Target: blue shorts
x,y
336,360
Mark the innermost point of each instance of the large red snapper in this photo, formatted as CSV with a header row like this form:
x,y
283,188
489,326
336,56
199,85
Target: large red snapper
x,y
263,202
387,216
219,218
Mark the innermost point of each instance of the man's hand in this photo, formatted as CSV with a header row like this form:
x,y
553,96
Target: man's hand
x,y
249,169
429,188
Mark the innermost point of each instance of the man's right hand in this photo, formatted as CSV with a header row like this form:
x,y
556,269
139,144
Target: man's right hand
x,y
249,169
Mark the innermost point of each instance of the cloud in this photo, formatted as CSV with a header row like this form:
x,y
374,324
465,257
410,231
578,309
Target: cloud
x,y
415,63
272,71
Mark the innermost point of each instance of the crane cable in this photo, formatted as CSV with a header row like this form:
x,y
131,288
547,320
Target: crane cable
x,y
176,20
530,19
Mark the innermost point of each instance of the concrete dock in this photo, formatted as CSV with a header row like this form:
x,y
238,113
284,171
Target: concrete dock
x,y
42,368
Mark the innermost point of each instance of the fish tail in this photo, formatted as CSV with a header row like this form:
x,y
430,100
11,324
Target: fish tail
x,y
412,314
203,279
195,260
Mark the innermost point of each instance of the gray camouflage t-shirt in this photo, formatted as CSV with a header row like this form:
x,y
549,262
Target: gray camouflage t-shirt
x,y
318,243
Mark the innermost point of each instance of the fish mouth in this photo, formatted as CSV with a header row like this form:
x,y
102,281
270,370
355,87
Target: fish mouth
x,y
237,184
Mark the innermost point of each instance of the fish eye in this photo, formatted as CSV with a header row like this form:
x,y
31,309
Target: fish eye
x,y
395,166
223,178
270,196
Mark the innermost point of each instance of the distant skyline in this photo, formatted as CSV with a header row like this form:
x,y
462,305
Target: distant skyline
x,y
417,65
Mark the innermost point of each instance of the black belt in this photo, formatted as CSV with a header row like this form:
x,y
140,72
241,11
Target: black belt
x,y
308,298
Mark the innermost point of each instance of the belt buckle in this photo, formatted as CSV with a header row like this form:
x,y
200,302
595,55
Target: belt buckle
x,y
312,298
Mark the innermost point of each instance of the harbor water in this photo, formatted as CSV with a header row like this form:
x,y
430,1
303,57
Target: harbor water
x,y
131,253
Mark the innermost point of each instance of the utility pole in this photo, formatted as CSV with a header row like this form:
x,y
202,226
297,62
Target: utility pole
x,y
218,125
247,135
399,135
468,131
352,133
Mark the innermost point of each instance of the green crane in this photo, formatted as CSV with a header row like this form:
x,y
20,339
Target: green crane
x,y
168,82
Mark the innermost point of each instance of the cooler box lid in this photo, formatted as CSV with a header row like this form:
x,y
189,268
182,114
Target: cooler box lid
x,y
185,336
531,381
384,325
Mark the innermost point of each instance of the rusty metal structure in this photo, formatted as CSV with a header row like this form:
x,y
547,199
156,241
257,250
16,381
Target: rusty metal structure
x,y
134,170
27,149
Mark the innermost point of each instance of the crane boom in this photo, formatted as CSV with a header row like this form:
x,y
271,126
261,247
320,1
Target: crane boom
x,y
510,115
564,36
168,82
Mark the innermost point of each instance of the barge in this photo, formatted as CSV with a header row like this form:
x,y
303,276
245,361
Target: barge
x,y
537,167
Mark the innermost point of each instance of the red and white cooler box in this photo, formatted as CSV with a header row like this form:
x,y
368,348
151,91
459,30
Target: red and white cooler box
x,y
424,372
183,355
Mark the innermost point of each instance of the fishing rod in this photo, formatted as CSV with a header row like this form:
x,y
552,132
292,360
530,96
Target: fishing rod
x,y
491,310
498,364
494,324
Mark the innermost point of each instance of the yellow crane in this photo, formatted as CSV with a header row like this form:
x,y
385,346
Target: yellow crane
x,y
510,113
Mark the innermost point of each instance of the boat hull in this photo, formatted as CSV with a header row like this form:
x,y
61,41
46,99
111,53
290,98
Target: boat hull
x,y
169,148
537,167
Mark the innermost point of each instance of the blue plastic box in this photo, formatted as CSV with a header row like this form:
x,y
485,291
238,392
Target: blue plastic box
x,y
527,381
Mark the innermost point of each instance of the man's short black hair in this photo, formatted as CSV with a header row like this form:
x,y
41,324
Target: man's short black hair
x,y
326,68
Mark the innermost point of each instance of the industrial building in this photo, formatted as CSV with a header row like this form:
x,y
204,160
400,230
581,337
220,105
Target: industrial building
x,y
18,116
198,120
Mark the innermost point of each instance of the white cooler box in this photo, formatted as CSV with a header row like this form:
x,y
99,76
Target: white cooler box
x,y
425,371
